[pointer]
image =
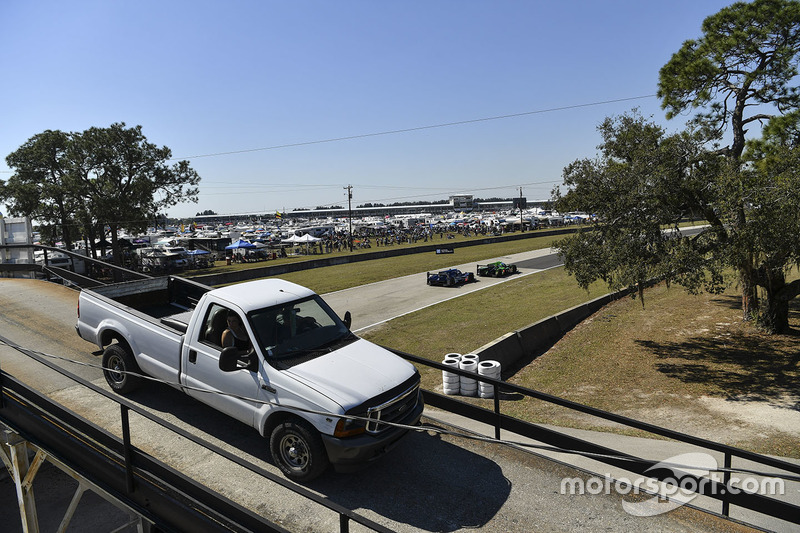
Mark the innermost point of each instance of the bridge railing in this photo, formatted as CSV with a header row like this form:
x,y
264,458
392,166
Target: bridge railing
x,y
133,476
724,491
95,271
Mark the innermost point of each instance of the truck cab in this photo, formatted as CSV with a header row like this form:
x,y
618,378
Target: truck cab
x,y
301,356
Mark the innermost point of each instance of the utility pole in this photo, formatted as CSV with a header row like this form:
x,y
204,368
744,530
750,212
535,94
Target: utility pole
x,y
349,189
520,210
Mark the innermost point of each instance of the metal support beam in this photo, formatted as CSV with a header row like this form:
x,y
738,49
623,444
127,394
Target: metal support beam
x,y
14,452
15,457
73,505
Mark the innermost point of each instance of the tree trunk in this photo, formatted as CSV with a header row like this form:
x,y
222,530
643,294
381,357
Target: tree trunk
x,y
775,315
116,251
66,230
775,312
747,279
92,237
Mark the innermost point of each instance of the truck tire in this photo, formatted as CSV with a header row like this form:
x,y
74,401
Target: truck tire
x,y
117,361
297,450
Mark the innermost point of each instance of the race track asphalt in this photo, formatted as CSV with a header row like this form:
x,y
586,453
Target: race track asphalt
x,y
373,304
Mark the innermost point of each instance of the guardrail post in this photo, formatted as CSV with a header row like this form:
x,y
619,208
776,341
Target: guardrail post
x,y
496,395
726,479
126,447
344,523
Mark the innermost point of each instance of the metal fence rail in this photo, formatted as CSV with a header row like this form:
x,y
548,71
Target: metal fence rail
x,y
727,494
132,475
98,269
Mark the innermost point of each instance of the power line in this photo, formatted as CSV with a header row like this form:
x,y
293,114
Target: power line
x,y
438,191
408,130
418,128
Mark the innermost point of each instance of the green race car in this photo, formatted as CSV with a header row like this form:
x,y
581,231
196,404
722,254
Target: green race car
x,y
498,269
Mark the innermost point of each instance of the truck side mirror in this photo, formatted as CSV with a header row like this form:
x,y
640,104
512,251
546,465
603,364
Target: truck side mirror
x,y
348,319
229,359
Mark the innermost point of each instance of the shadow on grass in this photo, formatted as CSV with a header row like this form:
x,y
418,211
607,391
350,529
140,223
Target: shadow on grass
x,y
729,301
745,367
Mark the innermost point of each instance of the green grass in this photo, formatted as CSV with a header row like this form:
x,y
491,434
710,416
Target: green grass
x,y
466,323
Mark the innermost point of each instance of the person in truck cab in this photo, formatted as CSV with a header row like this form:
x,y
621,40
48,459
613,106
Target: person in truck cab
x,y
236,335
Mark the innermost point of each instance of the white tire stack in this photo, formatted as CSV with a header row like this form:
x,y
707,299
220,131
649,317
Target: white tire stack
x,y
451,382
469,386
490,369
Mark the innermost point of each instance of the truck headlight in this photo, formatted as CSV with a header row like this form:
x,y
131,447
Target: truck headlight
x,y
347,427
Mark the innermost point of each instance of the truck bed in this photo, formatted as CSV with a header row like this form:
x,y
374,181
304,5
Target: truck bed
x,y
159,298
165,300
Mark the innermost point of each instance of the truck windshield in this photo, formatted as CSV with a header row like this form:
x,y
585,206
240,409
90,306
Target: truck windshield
x,y
298,329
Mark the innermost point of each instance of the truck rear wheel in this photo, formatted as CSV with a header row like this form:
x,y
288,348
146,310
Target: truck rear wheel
x,y
117,362
297,450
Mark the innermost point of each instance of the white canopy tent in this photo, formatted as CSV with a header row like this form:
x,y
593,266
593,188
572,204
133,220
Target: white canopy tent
x,y
298,239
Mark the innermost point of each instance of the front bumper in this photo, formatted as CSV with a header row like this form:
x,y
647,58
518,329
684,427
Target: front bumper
x,y
352,453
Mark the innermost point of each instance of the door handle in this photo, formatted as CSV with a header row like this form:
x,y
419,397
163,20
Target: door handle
x,y
268,388
192,356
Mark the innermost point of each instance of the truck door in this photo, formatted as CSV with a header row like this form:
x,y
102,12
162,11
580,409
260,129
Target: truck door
x,y
225,391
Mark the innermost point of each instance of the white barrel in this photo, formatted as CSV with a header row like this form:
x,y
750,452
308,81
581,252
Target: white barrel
x,y
451,389
451,382
469,386
449,361
490,369
468,365
469,391
449,377
470,357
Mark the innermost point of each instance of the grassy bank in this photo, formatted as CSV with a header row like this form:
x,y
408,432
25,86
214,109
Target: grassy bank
x,y
684,362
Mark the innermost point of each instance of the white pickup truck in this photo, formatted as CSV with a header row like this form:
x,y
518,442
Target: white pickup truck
x,y
317,391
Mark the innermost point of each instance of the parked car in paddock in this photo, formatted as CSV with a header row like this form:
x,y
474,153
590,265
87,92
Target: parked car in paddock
x,y
450,277
498,269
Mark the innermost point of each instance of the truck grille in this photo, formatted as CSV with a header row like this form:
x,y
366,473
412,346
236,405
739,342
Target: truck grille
x,y
394,410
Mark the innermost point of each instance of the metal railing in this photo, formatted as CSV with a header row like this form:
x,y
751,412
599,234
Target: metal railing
x,y
724,492
97,272
139,466
141,474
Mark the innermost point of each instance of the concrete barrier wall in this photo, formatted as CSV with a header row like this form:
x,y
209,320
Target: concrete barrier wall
x,y
534,340
506,350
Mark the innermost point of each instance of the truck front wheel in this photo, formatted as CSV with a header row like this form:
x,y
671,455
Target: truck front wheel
x,y
117,363
297,450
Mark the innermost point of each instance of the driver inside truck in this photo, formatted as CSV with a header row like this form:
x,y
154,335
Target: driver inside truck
x,y
236,335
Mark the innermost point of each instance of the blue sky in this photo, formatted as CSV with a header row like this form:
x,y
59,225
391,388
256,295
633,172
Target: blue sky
x,y
267,85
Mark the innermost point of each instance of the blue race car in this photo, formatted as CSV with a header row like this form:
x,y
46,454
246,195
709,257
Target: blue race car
x,y
450,277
